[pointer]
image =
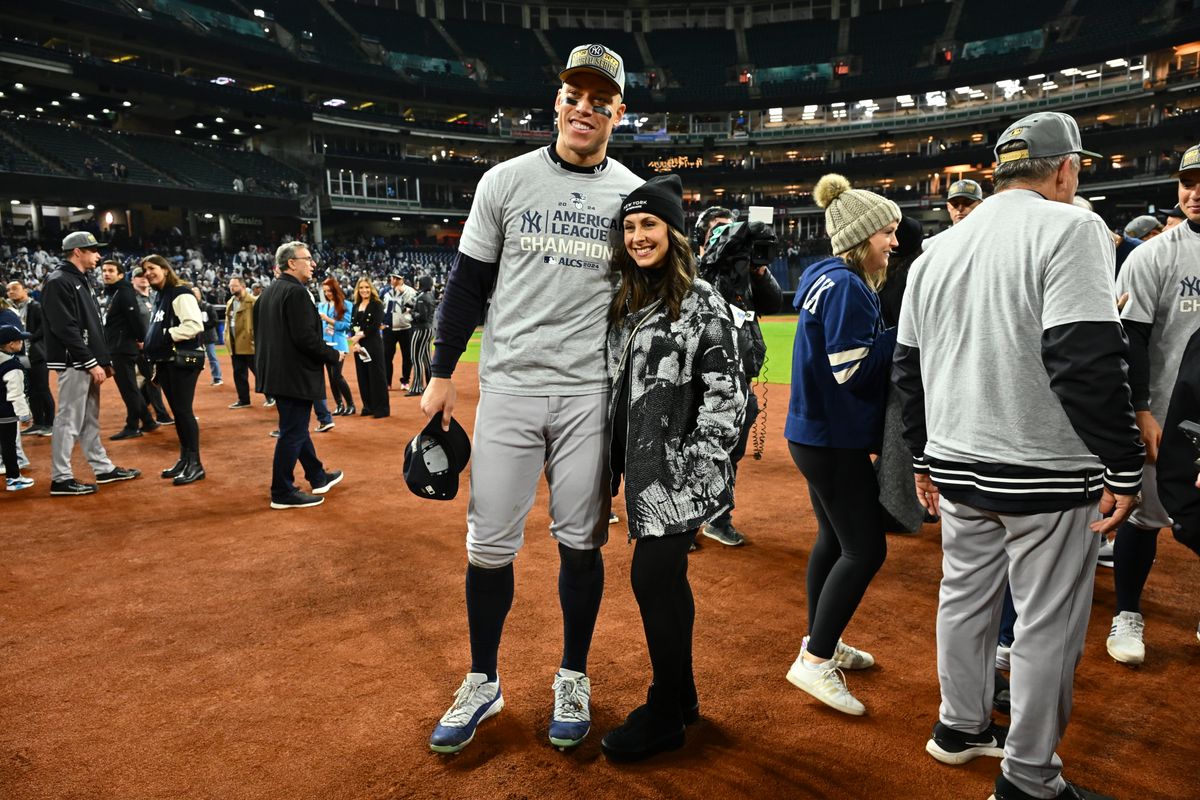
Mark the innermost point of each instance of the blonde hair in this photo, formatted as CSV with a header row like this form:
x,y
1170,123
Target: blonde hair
x,y
374,294
854,258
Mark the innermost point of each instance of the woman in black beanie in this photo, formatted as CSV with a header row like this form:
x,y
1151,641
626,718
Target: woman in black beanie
x,y
676,411
423,312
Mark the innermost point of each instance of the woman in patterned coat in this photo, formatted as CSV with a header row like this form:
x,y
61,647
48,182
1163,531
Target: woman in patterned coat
x,y
677,405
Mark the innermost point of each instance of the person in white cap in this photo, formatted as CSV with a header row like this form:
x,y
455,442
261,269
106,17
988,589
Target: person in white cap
x,y
1162,278
1023,437
538,242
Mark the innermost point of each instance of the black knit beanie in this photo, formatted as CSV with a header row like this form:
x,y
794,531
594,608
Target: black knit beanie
x,y
661,196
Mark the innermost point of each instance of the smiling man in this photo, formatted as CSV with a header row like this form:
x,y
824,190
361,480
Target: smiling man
x,y
538,241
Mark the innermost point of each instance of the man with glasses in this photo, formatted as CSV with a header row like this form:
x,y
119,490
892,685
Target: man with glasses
x,y
290,357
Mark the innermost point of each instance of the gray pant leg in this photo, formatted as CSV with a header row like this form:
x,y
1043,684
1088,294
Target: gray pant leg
x,y
1150,514
89,434
507,456
1052,574
68,422
577,470
78,419
974,568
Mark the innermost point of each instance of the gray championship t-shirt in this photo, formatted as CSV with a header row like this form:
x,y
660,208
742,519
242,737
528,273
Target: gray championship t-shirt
x,y
1162,277
976,304
553,232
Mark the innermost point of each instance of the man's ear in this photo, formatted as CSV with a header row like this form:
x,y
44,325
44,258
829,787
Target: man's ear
x,y
620,115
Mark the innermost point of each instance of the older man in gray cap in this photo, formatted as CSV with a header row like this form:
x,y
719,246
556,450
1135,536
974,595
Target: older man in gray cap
x,y
76,351
1023,437
1144,227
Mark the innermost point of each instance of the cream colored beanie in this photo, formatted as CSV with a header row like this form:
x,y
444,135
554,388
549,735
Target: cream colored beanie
x,y
852,215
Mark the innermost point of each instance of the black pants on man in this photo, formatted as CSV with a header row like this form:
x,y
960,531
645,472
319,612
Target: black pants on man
x,y
243,366
294,444
41,402
136,409
403,340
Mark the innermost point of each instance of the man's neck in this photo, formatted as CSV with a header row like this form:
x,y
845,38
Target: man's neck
x,y
571,160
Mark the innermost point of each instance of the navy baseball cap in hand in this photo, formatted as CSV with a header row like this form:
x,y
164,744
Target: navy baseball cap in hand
x,y
434,459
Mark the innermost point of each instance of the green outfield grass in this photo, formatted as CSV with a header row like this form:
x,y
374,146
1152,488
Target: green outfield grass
x,y
777,332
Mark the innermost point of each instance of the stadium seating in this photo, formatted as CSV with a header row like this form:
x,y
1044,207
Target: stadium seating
x,y
70,147
400,33
988,20
792,43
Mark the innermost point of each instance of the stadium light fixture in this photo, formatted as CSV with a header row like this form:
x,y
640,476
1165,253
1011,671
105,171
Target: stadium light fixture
x,y
74,95
963,90
40,110
127,104
334,102
397,219
215,138
91,117
1040,76
208,215
19,86
91,207
200,126
1116,62
14,202
178,132
108,111
258,12
1098,198
55,103
837,105
1069,71
258,127
218,120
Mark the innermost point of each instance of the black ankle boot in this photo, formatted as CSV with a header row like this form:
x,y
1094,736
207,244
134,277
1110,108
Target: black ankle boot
x,y
178,468
689,703
644,733
192,471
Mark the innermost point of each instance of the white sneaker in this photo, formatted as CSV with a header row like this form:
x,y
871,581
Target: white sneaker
x,y
827,684
572,718
847,657
1004,657
1125,638
1104,558
475,701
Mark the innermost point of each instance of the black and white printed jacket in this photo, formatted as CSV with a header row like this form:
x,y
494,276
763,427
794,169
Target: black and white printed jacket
x,y
687,400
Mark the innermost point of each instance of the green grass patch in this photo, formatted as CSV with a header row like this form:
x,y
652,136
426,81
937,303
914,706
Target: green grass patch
x,y
778,332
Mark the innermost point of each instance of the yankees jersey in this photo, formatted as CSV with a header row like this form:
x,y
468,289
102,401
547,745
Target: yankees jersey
x,y
553,232
840,361
1162,277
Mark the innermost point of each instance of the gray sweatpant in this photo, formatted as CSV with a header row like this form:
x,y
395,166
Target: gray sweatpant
x,y
516,437
78,419
1049,560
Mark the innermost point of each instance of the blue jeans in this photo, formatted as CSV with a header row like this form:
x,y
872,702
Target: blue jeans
x,y
1008,618
294,444
322,411
214,366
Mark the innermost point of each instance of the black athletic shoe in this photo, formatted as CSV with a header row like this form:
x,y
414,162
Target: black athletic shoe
x,y
642,735
298,500
165,421
955,747
125,433
71,487
1006,791
240,404
118,474
150,427
332,479
724,533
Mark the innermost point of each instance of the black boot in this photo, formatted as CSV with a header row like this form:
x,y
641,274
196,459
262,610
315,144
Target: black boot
x,y
178,468
192,470
689,703
340,411
645,732
349,411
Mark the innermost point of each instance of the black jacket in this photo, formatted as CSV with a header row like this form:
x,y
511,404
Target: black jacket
x,y
290,352
74,333
123,326
210,323
366,320
35,325
1177,467
424,311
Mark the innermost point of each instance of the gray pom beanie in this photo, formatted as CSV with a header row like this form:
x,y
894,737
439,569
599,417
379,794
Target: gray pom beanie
x,y
852,215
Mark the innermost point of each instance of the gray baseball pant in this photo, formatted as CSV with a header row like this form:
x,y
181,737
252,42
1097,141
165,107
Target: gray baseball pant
x,y
1049,559
1150,513
516,438
78,419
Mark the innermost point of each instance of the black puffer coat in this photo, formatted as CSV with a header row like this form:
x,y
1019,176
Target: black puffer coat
x,y
686,403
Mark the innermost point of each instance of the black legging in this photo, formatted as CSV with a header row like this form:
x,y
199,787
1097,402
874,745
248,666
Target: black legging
x,y
8,449
421,339
337,384
179,386
851,545
660,584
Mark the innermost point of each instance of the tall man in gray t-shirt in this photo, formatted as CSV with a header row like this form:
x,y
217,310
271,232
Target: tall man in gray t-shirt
x,y
1010,362
538,242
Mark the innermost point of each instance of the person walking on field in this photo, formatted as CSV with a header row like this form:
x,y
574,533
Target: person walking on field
x,y
1022,433
543,391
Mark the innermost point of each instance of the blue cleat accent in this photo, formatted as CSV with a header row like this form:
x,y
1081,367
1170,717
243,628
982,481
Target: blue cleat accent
x,y
475,701
572,717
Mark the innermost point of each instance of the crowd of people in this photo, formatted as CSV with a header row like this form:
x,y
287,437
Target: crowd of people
x,y
1013,374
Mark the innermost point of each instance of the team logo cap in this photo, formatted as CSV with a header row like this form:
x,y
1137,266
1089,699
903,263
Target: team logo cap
x,y
434,458
965,188
597,59
1045,134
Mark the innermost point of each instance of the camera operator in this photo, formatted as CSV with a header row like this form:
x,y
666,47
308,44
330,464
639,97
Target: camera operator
x,y
739,272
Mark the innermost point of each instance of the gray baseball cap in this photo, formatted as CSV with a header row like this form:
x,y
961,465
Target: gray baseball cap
x,y
599,60
1191,159
84,240
1045,134
1138,227
965,188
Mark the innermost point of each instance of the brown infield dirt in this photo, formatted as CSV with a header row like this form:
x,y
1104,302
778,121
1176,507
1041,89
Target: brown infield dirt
x,y
189,642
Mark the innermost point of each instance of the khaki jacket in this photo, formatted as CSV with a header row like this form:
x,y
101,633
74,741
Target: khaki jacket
x,y
243,327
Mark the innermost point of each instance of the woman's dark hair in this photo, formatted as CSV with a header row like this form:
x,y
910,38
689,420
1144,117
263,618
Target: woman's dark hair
x,y
636,292
172,279
339,297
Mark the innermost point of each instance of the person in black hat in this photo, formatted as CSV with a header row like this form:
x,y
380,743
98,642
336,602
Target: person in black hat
x,y
76,351
661,319
13,407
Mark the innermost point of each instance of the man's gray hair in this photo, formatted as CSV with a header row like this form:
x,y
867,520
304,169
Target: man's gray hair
x,y
286,253
1027,170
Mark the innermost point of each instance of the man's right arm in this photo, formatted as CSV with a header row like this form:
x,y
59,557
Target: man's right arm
x,y
461,310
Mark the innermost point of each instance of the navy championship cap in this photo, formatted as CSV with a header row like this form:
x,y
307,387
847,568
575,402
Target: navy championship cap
x,y
434,458
11,333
